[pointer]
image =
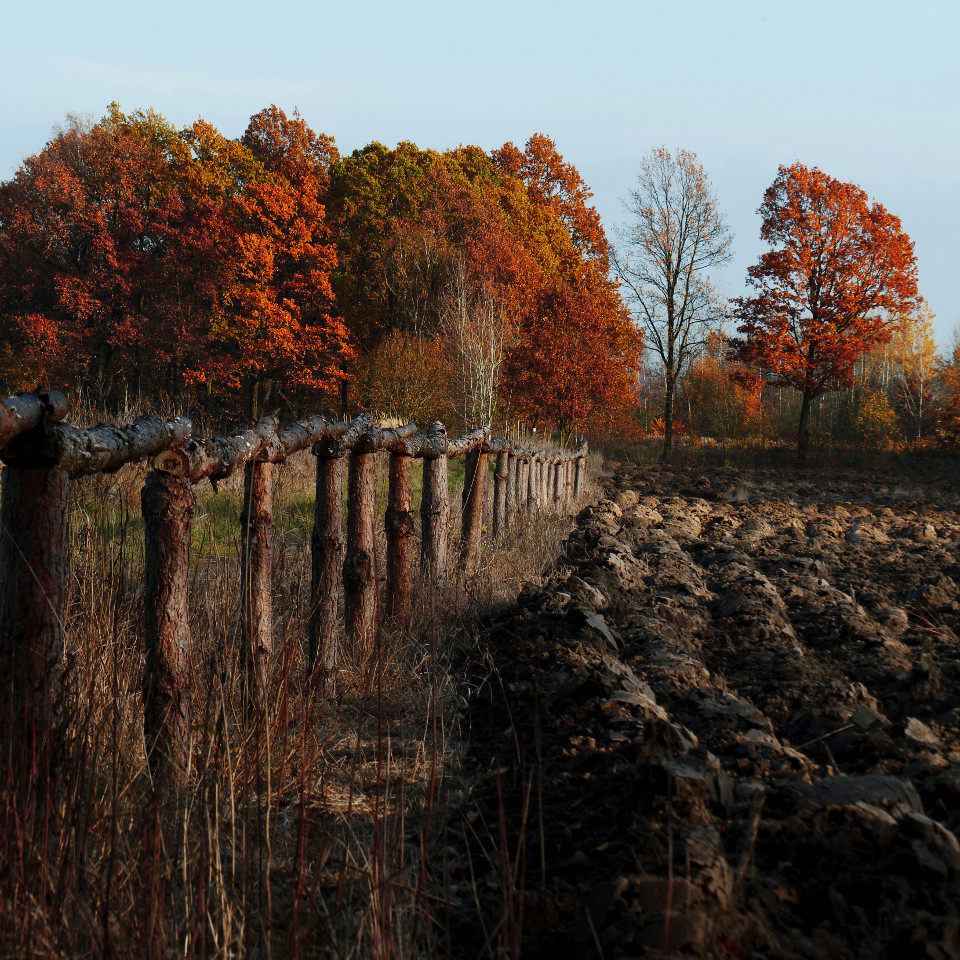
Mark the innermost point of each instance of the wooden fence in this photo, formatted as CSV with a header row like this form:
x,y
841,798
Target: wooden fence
x,y
42,454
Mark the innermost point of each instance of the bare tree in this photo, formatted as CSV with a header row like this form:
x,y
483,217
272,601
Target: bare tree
x,y
677,234
478,327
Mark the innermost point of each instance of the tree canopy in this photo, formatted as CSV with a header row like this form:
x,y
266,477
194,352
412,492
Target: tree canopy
x,y
839,270
134,256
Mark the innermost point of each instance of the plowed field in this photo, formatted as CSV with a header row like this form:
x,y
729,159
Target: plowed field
x,y
728,726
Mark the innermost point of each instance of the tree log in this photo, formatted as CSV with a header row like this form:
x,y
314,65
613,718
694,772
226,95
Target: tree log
x,y
468,443
580,470
510,498
101,449
28,410
216,458
256,591
359,567
168,505
298,436
475,479
401,535
435,511
33,532
326,545
501,478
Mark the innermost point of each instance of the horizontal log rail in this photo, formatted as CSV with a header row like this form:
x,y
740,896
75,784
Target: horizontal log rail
x,y
42,455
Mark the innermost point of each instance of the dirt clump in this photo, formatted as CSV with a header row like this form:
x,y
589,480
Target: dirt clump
x,y
728,726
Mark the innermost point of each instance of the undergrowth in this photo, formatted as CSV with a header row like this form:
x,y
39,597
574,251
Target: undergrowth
x,y
317,828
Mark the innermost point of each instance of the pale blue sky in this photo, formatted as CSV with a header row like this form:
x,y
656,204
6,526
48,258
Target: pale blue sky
x,y
869,92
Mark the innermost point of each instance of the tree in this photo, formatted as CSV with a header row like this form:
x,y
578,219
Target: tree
x,y
838,272
85,230
913,352
678,234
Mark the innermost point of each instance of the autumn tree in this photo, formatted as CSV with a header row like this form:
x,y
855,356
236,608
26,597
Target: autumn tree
x,y
948,380
913,356
839,269
676,236
574,361
87,227
282,325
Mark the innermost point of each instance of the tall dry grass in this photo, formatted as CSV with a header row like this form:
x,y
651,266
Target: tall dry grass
x,y
316,828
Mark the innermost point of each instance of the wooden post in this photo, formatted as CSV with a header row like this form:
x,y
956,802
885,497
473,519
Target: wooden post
x,y
33,536
519,490
533,484
435,511
567,486
256,591
509,504
578,478
359,566
475,476
401,534
545,485
326,554
168,505
501,479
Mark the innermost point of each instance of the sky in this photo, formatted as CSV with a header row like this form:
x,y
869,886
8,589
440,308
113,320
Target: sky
x,y
867,91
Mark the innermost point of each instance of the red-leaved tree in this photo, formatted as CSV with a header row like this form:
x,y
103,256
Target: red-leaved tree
x,y
838,270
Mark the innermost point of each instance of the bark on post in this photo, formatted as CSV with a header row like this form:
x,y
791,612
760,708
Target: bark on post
x,y
533,484
578,478
474,496
359,566
326,550
435,511
168,505
256,567
501,479
401,534
516,497
33,531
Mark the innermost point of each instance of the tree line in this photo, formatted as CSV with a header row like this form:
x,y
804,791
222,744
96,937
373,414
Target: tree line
x,y
239,275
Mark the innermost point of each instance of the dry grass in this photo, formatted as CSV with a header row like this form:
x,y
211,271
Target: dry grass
x,y
316,829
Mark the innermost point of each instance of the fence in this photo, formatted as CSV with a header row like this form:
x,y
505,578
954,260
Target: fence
x,y
43,454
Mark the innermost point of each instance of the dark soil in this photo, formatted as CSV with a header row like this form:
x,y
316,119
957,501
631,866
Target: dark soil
x,y
729,726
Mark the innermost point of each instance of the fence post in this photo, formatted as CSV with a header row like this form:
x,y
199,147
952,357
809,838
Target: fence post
x,y
401,533
435,510
359,565
474,494
256,567
33,536
510,505
168,504
578,478
545,467
501,482
533,483
519,491
326,555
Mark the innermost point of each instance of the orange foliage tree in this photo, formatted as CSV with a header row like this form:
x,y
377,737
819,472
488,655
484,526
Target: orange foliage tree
x,y
86,231
283,326
839,268
576,357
